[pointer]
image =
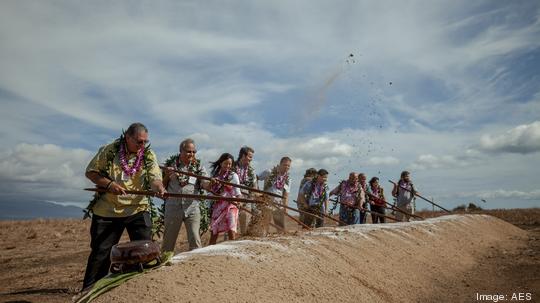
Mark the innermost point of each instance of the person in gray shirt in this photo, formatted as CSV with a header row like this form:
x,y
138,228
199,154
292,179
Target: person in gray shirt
x,y
405,194
276,180
180,210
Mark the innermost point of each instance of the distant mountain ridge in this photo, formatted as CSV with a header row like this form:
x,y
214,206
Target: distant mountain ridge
x,y
32,209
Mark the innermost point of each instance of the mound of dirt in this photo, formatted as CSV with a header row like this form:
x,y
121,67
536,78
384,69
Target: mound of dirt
x,y
437,260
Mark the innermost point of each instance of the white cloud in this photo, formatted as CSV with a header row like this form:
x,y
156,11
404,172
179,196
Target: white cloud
x,y
522,139
183,69
43,171
388,160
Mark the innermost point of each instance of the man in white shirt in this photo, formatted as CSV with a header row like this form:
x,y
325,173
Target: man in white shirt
x,y
277,181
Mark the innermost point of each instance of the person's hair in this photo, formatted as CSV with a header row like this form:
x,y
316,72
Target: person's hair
x,y
361,174
184,143
373,180
285,159
322,172
136,128
310,172
217,164
404,173
244,150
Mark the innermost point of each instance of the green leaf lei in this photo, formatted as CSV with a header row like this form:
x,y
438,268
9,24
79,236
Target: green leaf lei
x,y
204,207
157,222
273,177
321,197
250,182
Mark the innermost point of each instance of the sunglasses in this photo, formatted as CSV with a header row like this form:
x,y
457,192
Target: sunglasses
x,y
139,142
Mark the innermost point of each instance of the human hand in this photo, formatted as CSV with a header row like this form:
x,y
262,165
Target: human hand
x,y
170,172
117,189
161,192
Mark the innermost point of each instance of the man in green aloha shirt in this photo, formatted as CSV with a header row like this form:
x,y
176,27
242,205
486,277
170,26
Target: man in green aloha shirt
x,y
125,164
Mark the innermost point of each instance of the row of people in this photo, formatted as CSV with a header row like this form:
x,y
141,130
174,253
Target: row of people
x,y
353,195
129,164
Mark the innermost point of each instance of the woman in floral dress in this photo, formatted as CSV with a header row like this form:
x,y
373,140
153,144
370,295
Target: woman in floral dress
x,y
224,214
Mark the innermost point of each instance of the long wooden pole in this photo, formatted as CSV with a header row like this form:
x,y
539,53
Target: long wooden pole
x,y
226,183
324,215
419,196
369,211
204,197
291,217
394,207
294,219
251,213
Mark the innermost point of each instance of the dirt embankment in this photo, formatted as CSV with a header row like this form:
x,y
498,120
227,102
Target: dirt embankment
x,y
447,259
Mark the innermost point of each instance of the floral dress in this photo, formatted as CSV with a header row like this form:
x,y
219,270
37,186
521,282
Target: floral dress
x,y
225,214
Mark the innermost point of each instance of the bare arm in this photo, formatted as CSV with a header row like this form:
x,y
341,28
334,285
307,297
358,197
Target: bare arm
x,y
336,190
395,191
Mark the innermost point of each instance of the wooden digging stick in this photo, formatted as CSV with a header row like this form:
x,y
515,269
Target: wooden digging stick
x,y
369,211
226,183
251,213
419,196
394,207
324,215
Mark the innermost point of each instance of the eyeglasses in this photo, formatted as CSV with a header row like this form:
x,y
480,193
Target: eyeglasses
x,y
190,151
139,142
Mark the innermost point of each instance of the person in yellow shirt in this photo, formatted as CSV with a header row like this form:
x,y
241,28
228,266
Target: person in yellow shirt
x,y
126,164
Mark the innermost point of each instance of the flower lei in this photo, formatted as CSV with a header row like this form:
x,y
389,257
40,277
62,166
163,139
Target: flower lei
x,y
107,171
193,167
374,191
245,175
130,170
346,188
218,187
279,181
317,192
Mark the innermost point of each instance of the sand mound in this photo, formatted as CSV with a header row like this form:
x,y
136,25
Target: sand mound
x,y
404,262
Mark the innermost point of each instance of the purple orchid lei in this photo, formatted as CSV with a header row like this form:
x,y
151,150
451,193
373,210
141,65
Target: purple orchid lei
x,y
130,171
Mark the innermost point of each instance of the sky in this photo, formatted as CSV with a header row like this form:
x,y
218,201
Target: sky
x,y
449,90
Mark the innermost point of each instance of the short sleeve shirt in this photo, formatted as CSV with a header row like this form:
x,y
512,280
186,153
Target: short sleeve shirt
x,y
314,198
192,187
266,174
110,205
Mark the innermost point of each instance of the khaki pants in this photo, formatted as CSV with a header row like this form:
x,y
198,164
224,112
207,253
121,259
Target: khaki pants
x,y
244,219
258,225
308,220
405,207
175,215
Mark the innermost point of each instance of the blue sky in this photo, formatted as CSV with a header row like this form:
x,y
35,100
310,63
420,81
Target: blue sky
x,y
448,90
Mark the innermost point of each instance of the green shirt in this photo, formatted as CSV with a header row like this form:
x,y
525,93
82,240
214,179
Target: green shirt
x,y
111,205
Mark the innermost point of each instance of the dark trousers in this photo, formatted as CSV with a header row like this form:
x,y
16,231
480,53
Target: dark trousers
x,y
106,232
374,217
348,215
316,210
362,218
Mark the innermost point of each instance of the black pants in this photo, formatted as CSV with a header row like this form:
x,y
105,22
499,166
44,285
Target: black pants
x,y
106,232
308,220
374,217
362,218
